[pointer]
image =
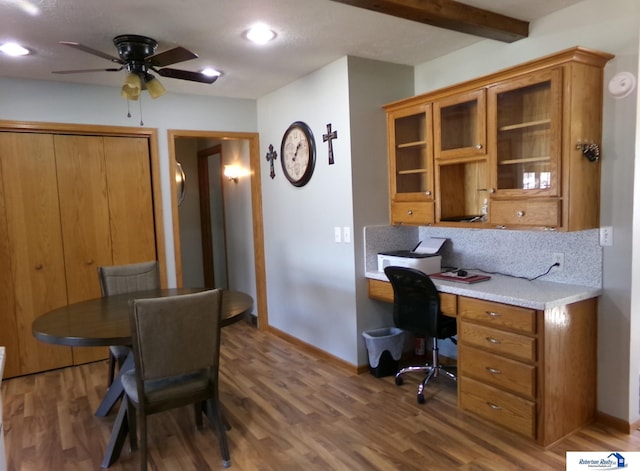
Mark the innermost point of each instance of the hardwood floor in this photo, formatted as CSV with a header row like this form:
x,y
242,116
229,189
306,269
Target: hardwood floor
x,y
289,411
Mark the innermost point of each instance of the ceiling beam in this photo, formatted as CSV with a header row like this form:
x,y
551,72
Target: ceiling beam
x,y
450,14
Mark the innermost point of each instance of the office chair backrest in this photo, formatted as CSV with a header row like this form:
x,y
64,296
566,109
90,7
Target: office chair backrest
x,y
121,279
177,335
416,302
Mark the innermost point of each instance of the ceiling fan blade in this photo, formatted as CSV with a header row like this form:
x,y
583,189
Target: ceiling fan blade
x,y
172,56
95,52
87,70
186,75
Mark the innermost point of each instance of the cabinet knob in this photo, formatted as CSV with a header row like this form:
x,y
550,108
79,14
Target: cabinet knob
x,y
492,314
493,340
428,193
39,266
494,406
89,262
520,213
410,212
492,190
494,371
478,146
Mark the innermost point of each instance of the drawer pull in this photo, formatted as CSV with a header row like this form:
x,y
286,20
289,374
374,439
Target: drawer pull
x,y
493,340
494,406
520,213
39,266
492,314
494,371
410,212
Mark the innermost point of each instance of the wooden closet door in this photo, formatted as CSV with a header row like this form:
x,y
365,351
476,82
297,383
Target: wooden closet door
x,y
84,213
34,239
130,199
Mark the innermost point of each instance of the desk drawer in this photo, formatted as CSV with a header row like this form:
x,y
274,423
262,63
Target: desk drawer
x,y
500,407
516,318
383,291
508,374
497,341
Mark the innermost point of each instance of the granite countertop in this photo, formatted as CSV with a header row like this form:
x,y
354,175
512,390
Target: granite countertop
x,y
536,294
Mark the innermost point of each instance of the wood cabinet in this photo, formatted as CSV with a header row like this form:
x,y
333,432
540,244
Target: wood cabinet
x,y
530,371
411,169
68,204
507,148
533,372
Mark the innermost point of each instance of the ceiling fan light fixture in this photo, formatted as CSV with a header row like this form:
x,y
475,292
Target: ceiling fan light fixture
x,y
132,86
154,87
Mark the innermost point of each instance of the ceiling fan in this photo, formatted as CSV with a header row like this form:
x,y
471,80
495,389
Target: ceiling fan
x,y
137,55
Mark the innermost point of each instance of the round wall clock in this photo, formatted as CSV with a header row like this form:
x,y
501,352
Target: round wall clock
x,y
298,153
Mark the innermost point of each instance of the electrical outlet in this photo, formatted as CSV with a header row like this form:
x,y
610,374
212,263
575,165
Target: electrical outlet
x,y
606,236
558,257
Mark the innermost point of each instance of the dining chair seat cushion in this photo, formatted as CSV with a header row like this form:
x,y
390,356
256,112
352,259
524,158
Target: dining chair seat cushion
x,y
162,391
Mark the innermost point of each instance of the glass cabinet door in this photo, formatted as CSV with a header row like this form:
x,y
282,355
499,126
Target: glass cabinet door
x,y
410,149
524,120
460,125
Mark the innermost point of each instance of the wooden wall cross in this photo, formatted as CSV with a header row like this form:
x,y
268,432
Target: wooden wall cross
x,y
271,156
330,136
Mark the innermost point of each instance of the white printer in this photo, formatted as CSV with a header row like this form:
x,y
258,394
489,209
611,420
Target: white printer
x,y
423,257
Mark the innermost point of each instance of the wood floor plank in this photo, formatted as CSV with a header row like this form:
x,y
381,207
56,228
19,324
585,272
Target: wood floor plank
x,y
289,411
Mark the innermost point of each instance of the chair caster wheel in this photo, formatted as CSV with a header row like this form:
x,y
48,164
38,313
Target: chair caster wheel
x,y
420,398
399,380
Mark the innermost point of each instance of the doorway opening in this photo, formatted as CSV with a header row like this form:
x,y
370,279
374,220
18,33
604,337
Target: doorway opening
x,y
224,249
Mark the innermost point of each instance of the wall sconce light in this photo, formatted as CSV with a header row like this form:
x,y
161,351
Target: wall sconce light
x,y
232,172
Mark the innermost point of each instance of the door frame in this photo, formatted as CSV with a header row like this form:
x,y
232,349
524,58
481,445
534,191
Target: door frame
x,y
256,209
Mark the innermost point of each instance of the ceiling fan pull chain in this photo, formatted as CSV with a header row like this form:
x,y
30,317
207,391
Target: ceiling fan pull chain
x,y
140,101
128,109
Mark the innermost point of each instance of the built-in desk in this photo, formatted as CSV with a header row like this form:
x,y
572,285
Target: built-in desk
x,y
526,351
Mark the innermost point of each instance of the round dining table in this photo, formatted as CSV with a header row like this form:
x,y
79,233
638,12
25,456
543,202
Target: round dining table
x,y
104,322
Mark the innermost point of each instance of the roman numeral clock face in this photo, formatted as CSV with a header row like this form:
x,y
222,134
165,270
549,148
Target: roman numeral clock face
x,y
298,153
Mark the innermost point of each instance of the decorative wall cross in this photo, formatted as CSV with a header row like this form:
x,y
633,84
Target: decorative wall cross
x,y
271,156
330,136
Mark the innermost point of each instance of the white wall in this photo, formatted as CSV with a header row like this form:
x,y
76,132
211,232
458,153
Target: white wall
x,y
46,101
316,287
610,26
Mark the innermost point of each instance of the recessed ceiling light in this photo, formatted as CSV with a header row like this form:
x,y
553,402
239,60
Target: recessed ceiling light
x,y
14,49
210,72
260,34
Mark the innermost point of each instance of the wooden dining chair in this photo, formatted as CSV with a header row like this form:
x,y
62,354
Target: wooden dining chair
x,y
176,345
121,279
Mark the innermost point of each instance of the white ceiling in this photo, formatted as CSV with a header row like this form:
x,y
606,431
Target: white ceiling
x,y
311,34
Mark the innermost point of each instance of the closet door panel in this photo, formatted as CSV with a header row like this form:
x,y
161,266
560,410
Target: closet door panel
x,y
84,213
129,187
34,239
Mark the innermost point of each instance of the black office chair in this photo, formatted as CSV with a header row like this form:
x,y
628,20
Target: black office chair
x,y
416,309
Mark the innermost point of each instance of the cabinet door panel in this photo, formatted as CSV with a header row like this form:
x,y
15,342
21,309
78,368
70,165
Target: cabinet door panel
x,y
84,211
35,241
130,200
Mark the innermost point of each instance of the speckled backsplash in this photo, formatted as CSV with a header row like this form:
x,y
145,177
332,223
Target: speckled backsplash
x,y
520,253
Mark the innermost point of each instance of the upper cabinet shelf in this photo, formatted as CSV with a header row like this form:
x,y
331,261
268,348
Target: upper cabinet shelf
x,y
500,150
